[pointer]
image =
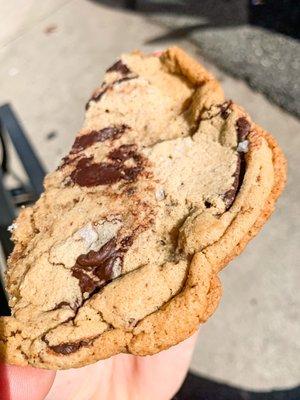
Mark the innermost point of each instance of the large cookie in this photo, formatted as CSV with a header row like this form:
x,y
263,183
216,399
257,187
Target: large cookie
x,y
164,185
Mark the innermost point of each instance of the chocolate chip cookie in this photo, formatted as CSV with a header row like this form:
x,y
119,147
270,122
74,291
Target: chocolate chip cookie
x,y
165,184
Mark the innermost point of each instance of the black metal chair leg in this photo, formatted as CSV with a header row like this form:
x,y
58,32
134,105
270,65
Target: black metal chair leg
x,y
131,4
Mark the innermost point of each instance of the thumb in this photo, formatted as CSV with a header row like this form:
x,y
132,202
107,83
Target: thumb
x,y
24,383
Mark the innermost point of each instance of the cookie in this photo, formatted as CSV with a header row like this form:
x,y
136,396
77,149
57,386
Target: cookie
x,y
165,184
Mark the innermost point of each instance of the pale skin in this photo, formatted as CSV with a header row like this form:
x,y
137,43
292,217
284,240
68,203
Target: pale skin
x,y
122,377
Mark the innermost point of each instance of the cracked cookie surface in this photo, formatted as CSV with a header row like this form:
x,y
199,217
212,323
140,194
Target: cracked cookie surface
x,y
164,184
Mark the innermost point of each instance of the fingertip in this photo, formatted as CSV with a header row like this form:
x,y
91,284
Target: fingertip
x,y
24,383
157,53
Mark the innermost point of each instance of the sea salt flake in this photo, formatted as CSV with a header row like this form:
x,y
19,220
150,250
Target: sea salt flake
x,y
243,147
12,227
89,234
160,194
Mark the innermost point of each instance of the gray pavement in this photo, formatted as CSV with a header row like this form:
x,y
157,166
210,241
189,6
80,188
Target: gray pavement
x,y
49,65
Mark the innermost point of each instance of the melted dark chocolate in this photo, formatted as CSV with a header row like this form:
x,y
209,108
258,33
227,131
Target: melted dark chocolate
x,y
67,348
105,271
119,66
71,347
86,283
230,195
88,173
127,241
108,133
243,128
95,258
97,96
124,152
95,268
224,109
67,160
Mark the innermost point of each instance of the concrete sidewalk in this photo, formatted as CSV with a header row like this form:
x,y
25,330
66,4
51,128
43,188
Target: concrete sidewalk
x,y
50,64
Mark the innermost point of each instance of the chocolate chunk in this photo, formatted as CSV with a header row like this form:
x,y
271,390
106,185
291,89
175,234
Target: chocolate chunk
x,y
124,152
95,174
88,174
127,241
87,284
130,174
119,66
66,348
97,96
105,271
126,78
238,175
95,258
67,161
231,193
207,204
243,128
100,264
224,109
85,141
104,88
71,347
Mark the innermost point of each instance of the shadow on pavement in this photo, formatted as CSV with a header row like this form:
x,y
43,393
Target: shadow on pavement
x,y
214,12
276,15
199,388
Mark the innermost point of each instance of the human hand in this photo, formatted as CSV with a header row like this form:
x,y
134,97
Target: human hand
x,y
122,377
24,383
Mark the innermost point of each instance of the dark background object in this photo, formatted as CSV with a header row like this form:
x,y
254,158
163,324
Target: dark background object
x,y
278,15
131,4
30,161
11,199
282,16
199,388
